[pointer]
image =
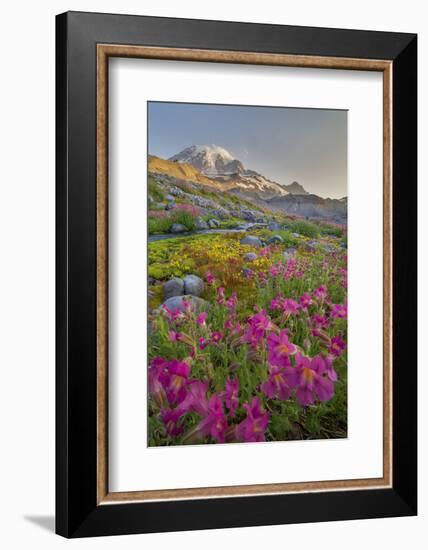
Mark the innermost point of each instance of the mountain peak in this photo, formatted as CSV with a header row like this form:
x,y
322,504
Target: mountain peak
x,y
296,189
212,160
217,163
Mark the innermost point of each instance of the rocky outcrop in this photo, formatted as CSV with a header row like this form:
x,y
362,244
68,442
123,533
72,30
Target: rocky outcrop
x,y
178,228
193,285
174,287
251,240
180,303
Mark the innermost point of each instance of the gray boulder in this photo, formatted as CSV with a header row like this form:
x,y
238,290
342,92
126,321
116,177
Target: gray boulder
x,y
275,239
200,223
213,224
170,198
274,226
174,287
311,246
221,213
250,257
252,216
178,228
193,285
178,302
177,192
251,240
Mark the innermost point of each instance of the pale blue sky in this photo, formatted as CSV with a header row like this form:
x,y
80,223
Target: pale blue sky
x,y
284,144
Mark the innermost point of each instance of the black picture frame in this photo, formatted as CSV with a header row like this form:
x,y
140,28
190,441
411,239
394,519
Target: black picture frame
x,y
77,511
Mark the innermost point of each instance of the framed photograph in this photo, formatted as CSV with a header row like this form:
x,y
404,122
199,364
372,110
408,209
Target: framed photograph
x,y
236,274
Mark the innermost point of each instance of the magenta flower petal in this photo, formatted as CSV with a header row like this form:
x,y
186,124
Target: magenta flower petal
x,y
215,421
253,427
304,396
337,346
231,395
324,388
201,318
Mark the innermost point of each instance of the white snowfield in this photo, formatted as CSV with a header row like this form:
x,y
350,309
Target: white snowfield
x,y
215,162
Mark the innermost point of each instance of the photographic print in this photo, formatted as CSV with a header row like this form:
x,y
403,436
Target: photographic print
x,y
247,274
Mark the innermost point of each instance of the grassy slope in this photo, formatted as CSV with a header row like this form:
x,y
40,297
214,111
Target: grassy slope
x,y
181,171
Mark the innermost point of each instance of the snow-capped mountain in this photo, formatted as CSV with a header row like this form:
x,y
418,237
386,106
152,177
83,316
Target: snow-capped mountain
x,y
211,160
217,163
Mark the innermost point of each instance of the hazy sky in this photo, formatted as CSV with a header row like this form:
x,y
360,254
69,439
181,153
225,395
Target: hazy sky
x,y
284,144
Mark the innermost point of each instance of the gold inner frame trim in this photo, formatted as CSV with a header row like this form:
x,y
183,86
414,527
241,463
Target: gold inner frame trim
x,y
104,51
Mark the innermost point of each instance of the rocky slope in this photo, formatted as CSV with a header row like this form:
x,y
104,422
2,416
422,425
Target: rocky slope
x,y
215,168
311,206
217,163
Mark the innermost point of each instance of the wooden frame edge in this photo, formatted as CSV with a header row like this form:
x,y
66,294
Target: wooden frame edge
x,y
104,51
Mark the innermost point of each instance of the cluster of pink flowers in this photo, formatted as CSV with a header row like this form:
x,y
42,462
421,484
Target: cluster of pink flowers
x,y
289,371
157,214
189,208
176,394
290,366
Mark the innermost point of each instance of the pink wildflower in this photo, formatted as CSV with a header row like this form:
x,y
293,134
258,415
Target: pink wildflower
x,y
277,385
319,321
311,379
232,302
258,325
338,311
215,422
332,374
173,379
274,271
253,427
220,295
156,388
320,293
209,277
279,349
276,303
216,337
230,395
170,418
305,301
290,307
201,319
337,346
172,314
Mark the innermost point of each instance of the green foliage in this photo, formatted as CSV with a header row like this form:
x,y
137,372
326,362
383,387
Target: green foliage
x,y
159,225
185,218
154,190
289,239
329,229
230,223
306,228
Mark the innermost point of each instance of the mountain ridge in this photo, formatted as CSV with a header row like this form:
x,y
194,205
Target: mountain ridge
x,y
217,163
215,167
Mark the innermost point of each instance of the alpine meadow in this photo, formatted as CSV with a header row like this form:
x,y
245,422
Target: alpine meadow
x,y
247,274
